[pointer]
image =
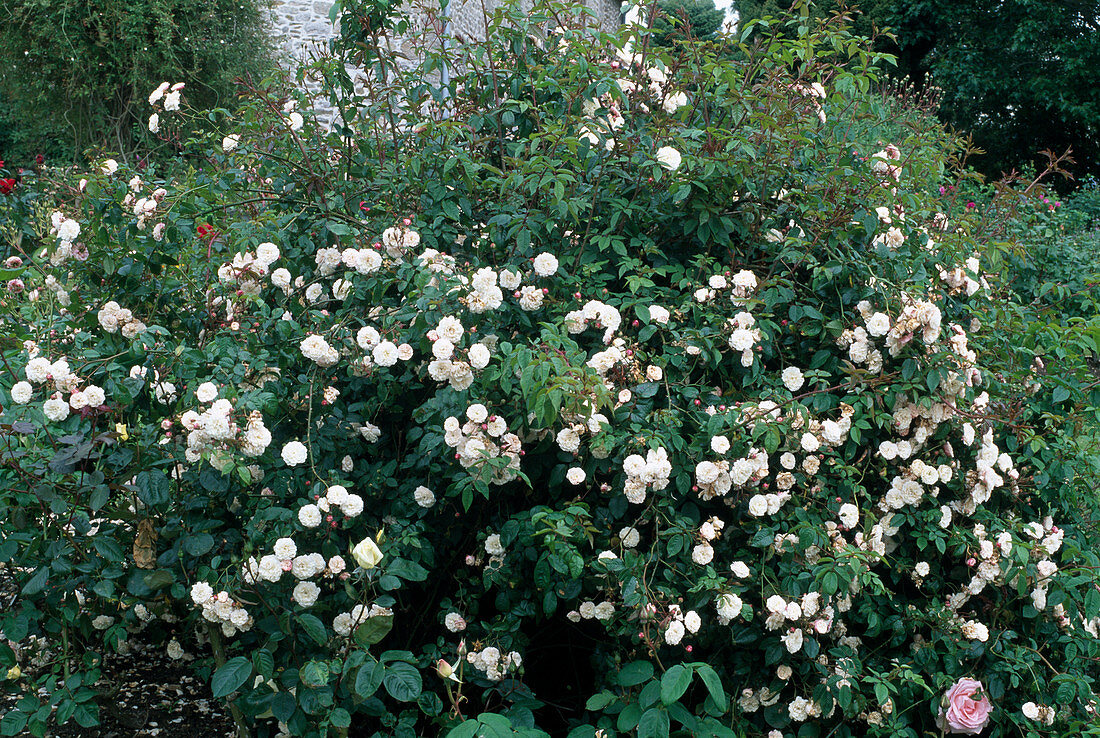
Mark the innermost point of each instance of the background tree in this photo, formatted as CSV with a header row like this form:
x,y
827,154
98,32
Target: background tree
x,y
1017,74
697,18
77,72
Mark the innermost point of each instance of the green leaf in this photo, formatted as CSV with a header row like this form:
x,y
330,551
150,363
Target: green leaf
x,y
108,548
599,700
315,674
374,630
674,683
283,706
313,627
38,582
654,724
408,570
264,663
153,488
13,723
403,682
1061,394
369,679
465,729
713,683
933,380
340,717
635,673
230,676
198,544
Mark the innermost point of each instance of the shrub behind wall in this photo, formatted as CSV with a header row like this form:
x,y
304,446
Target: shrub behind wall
x,y
75,73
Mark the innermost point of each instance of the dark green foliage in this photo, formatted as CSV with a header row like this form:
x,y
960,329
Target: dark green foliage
x,y
1017,74
74,73
679,18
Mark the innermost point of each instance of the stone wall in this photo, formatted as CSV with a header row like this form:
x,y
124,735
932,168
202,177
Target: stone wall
x,y
302,27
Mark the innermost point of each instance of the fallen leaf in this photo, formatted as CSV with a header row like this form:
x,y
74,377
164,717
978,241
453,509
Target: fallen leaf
x,y
145,545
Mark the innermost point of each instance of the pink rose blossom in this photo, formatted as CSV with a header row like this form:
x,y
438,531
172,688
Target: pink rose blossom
x,y
965,708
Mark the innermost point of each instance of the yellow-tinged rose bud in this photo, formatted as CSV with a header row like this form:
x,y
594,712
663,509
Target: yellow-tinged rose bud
x,y
445,670
15,672
366,553
120,429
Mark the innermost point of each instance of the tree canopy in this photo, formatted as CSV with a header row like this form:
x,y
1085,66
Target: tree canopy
x,y
1017,74
702,18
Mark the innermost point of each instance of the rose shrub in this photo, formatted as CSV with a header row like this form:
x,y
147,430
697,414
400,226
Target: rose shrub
x,y
609,389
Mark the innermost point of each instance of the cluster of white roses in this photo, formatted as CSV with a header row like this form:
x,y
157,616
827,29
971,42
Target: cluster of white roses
x,y
377,351
50,283
447,364
655,79
315,348
717,478
145,208
170,95
654,91
959,281
480,439
598,313
291,117
221,608
363,261
484,294
917,316
114,318
801,709
738,287
214,433
893,238
66,230
1039,713
41,371
569,438
1049,538
752,700
493,663
336,497
744,337
709,531
680,624
857,341
644,474
798,616
883,166
614,355
399,240
246,270
908,488
812,95
589,610
303,567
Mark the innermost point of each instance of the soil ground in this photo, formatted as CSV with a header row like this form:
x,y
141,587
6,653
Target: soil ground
x,y
150,695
